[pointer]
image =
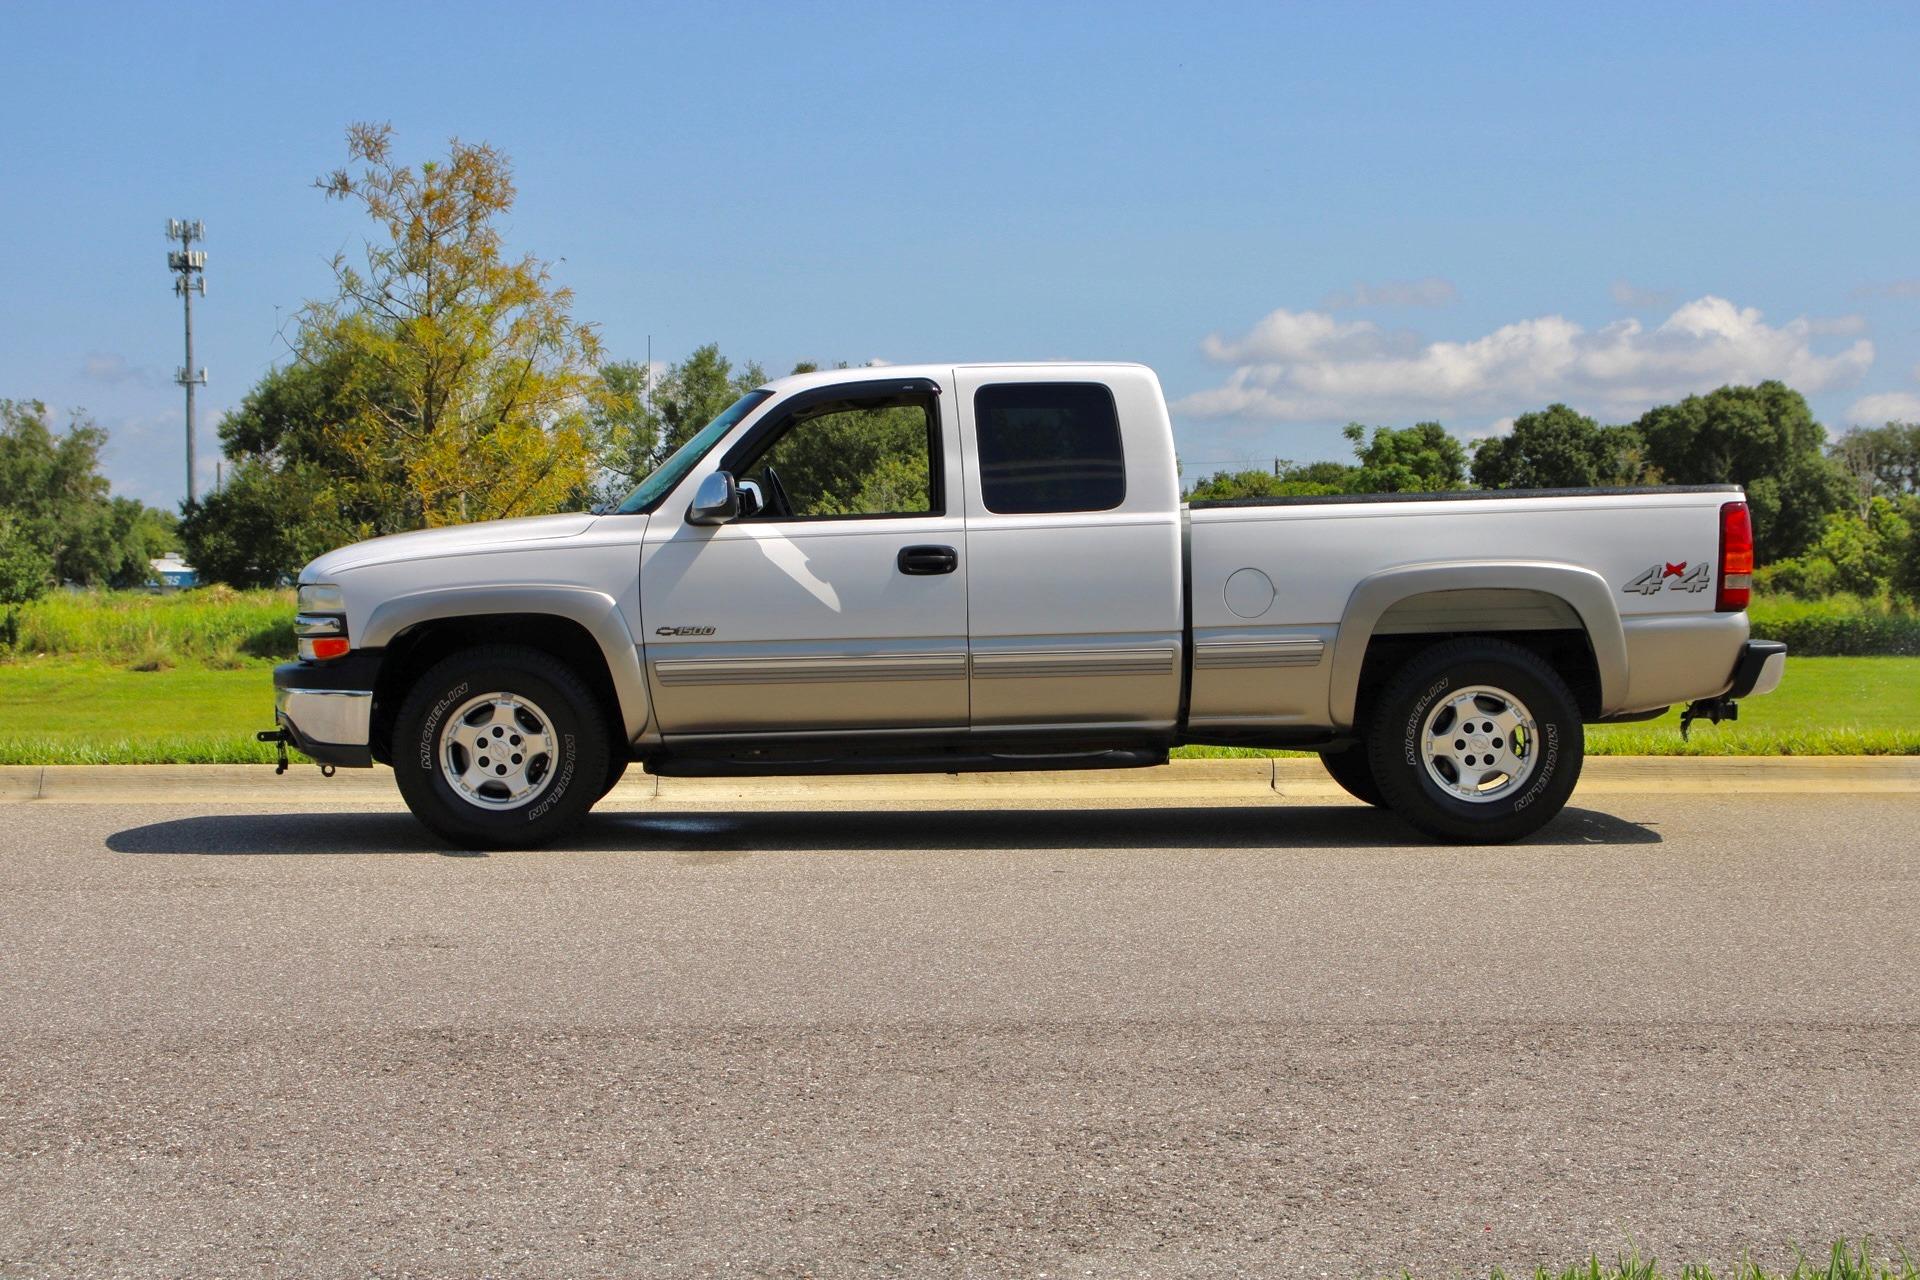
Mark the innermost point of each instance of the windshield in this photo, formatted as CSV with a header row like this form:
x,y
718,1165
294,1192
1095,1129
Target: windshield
x,y
671,472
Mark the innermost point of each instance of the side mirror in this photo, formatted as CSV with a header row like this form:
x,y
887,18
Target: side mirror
x,y
752,501
716,501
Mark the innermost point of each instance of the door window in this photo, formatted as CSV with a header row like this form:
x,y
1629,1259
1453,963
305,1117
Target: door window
x,y
1048,446
858,457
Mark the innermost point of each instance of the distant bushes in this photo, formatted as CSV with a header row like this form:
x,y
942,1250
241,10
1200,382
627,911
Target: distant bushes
x,y
212,626
1838,626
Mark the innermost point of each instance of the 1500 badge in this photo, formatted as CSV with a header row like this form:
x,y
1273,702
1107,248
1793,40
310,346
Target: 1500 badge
x,y
1672,577
683,631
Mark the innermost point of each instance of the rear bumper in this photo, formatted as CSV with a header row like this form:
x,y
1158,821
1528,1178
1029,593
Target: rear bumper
x,y
327,708
1761,665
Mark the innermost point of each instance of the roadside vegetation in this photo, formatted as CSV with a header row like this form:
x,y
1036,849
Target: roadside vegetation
x,y
127,677
1843,1262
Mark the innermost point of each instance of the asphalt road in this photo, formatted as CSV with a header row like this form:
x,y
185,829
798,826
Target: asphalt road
x,y
1264,1039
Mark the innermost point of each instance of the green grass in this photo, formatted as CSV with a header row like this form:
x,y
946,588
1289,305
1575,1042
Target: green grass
x,y
214,626
1842,1262
86,711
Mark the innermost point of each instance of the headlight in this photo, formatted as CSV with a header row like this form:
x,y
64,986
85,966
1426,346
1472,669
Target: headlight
x,y
321,625
321,598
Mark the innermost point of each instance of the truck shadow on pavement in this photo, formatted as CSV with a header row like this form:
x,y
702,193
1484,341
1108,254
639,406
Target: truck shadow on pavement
x,y
698,831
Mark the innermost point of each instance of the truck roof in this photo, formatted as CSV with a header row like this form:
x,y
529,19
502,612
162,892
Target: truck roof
x,y
885,372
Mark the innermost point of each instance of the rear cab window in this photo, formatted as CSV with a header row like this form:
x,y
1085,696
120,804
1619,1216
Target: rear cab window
x,y
1048,447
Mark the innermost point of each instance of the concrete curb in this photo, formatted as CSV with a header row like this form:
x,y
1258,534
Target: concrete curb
x,y
1180,782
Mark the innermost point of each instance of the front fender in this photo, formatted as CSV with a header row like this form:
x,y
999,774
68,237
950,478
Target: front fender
x,y
596,611
1583,590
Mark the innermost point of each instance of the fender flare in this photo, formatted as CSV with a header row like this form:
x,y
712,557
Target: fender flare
x,y
1583,590
596,611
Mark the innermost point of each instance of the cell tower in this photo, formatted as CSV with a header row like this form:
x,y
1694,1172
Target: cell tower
x,y
189,266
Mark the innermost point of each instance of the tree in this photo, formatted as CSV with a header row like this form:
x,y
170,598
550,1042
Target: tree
x,y
469,376
293,488
693,392
1764,439
1228,485
1557,448
1422,458
59,504
1882,461
24,569
626,428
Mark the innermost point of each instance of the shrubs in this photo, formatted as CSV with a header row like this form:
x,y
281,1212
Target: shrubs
x,y
1837,626
213,626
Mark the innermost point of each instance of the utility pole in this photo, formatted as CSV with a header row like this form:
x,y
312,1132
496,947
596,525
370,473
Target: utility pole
x,y
189,266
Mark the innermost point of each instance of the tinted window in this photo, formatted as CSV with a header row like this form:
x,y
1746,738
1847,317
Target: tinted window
x,y
871,456
1048,446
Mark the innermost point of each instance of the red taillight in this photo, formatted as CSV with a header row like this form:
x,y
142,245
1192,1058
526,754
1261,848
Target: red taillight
x,y
331,646
1736,558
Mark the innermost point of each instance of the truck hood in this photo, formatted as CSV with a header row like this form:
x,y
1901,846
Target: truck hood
x,y
453,540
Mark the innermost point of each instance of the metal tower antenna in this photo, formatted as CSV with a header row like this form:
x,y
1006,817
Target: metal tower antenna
x,y
189,266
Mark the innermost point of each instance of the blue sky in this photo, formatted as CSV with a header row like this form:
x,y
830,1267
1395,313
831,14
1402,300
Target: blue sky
x,y
1299,215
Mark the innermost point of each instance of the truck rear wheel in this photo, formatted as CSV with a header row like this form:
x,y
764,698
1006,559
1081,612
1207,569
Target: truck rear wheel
x,y
1476,741
1352,769
499,747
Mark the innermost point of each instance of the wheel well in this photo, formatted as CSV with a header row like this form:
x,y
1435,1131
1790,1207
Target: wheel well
x,y
1567,651
414,650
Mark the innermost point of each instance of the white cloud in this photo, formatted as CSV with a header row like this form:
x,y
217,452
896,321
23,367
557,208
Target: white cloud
x,y
1429,292
1888,406
1631,295
1498,427
1308,366
110,368
1837,326
1908,288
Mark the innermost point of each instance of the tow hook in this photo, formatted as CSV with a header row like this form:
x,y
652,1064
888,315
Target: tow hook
x,y
280,738
1712,710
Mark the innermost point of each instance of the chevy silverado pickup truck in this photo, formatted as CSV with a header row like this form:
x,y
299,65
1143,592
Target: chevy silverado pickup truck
x,y
989,567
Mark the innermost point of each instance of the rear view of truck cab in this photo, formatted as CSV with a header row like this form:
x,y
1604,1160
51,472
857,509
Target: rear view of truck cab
x,y
982,567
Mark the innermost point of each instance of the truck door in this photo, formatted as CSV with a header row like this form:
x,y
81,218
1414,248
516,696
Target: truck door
x,y
1073,548
841,603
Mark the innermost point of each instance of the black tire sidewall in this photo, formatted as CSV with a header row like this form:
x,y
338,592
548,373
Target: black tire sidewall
x,y
1400,717
578,728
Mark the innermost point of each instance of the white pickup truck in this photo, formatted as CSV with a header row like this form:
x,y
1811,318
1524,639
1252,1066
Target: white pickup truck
x,y
988,567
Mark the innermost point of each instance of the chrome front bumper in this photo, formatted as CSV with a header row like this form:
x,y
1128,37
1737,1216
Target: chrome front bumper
x,y
333,726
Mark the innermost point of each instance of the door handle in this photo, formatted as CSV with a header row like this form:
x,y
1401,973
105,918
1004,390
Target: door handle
x,y
926,561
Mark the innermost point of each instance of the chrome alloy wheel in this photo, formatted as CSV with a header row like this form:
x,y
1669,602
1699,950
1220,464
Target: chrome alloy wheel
x,y
1478,744
497,751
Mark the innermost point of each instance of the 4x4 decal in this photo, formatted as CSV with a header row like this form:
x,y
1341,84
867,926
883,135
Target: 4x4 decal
x,y
1656,578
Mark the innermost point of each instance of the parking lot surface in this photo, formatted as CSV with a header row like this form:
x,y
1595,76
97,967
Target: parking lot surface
x,y
1256,1038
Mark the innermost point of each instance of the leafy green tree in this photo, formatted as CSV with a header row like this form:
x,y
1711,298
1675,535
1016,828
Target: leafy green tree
x,y
1557,448
471,377
25,569
1423,458
1867,557
294,488
1764,439
693,392
58,503
1227,485
626,427
1882,461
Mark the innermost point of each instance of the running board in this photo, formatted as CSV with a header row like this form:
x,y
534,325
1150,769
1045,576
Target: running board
x,y
747,766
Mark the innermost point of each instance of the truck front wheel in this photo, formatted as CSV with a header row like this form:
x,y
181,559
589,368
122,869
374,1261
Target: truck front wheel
x,y
499,747
1476,741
